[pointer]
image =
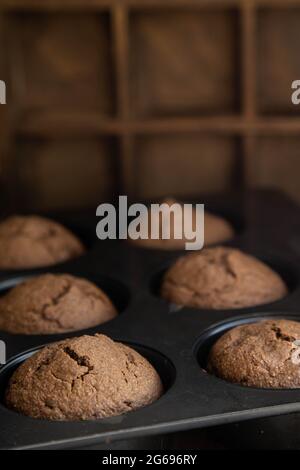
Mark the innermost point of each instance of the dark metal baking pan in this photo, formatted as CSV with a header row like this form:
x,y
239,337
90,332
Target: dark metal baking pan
x,y
193,399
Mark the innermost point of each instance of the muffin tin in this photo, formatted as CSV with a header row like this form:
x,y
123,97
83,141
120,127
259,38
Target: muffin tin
x,y
176,341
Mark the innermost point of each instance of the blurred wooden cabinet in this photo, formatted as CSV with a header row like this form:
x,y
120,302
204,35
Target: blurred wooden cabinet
x,y
148,97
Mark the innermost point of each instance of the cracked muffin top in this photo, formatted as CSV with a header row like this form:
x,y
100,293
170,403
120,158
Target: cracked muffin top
x,y
88,377
216,229
221,278
265,354
32,241
54,303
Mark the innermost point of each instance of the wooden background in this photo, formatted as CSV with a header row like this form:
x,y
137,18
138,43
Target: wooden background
x,y
147,97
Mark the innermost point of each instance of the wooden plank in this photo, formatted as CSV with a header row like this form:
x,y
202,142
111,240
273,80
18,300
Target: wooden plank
x,y
278,60
66,5
8,117
58,125
62,61
184,63
127,166
47,5
248,149
248,76
38,124
119,16
56,174
248,59
183,164
275,162
120,32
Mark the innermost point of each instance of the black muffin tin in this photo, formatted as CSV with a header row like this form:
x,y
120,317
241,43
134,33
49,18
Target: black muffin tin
x,y
176,341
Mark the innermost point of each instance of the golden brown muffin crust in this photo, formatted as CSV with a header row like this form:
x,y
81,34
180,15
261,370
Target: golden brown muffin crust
x,y
83,378
221,278
262,354
54,303
32,241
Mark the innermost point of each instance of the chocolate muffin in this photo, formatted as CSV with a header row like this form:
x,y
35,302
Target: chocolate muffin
x,y
82,378
265,354
32,241
216,230
221,278
54,303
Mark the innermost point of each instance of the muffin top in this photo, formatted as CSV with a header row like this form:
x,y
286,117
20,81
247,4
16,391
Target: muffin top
x,y
263,354
32,241
54,303
88,377
216,229
221,278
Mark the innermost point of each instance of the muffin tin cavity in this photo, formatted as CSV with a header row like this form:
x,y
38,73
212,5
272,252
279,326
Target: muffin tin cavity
x,y
84,230
91,310
35,242
156,282
209,337
116,290
288,271
237,221
163,366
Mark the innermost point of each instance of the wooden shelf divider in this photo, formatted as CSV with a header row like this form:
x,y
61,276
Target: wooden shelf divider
x,y
120,30
59,125
248,78
91,5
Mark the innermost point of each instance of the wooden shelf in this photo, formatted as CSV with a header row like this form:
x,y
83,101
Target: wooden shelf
x,y
59,125
149,69
52,124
